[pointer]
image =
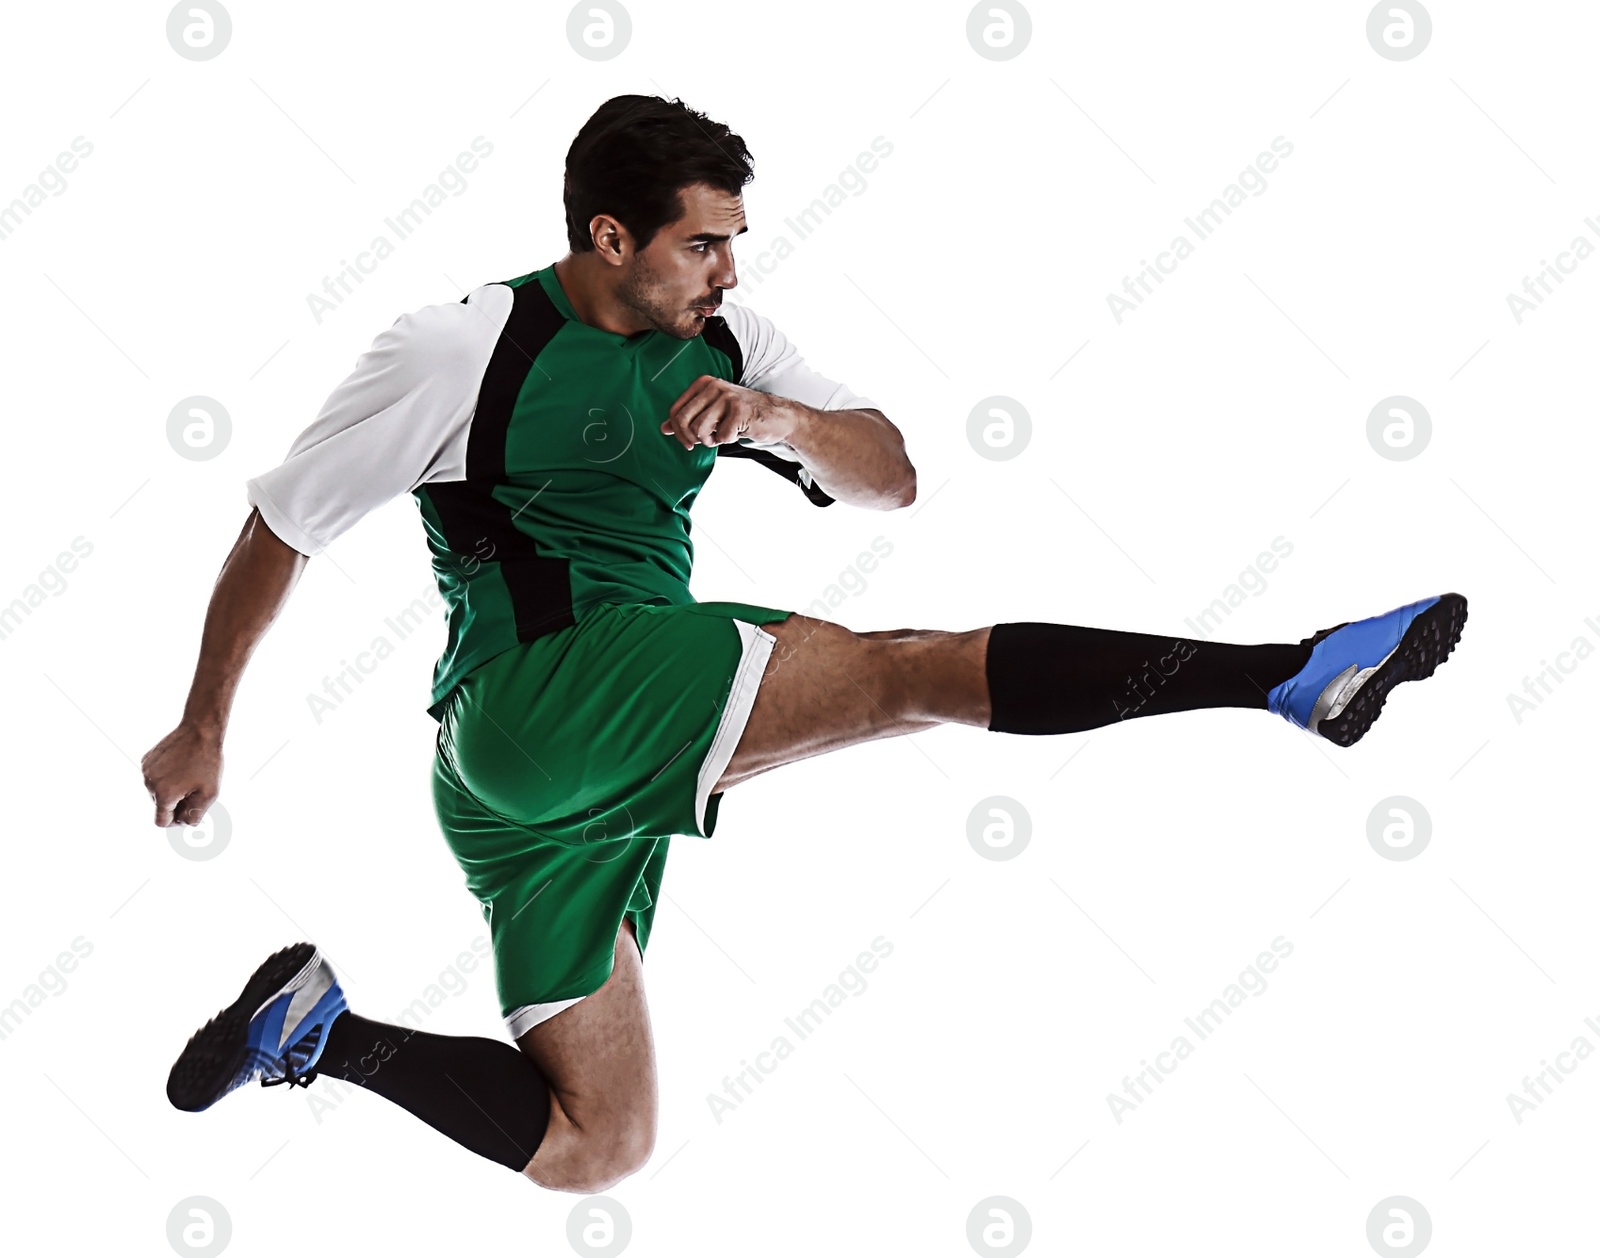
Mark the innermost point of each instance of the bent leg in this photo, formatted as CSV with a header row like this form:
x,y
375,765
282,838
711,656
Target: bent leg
x,y
599,1057
575,1109
482,1093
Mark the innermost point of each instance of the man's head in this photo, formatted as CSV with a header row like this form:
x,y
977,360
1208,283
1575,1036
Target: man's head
x,y
655,190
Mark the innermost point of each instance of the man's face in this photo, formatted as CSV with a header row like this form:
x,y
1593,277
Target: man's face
x,y
679,279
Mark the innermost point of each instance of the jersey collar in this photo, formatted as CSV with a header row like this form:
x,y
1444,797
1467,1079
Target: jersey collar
x,y
557,294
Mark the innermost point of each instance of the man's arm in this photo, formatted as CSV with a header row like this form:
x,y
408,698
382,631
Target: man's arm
x,y
183,771
398,420
856,456
848,447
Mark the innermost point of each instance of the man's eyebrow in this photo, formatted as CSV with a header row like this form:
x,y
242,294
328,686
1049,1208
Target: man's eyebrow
x,y
713,236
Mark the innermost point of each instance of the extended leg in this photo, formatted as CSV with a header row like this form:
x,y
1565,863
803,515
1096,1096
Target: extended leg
x,y
827,687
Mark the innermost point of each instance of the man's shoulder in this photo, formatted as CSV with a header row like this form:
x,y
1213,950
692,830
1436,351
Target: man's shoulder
x,y
449,330
485,298
748,326
748,337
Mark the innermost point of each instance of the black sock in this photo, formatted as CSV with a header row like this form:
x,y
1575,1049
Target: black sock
x,y
1060,679
485,1094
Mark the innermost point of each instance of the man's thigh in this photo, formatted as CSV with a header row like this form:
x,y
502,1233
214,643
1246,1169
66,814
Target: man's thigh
x,y
827,687
599,1055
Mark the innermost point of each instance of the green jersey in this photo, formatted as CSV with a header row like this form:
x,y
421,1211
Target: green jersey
x,y
531,443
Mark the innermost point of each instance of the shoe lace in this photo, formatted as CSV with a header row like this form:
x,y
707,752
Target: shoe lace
x,y
289,1076
287,1064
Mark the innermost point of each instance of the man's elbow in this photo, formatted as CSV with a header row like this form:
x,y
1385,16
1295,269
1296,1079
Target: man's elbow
x,y
908,490
886,496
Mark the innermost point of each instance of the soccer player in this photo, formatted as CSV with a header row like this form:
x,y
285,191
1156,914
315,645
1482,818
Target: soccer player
x,y
555,430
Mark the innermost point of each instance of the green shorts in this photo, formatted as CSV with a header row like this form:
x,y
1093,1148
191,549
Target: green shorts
x,y
566,764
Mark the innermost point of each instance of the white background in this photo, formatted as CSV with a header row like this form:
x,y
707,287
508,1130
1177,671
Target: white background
x,y
1229,410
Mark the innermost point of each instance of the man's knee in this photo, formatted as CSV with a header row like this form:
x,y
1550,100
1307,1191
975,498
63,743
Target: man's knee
x,y
599,1160
632,1152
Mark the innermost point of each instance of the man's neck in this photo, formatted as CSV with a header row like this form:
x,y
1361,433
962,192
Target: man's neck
x,y
584,280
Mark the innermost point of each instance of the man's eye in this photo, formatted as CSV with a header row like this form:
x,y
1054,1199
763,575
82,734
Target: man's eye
x,y
701,247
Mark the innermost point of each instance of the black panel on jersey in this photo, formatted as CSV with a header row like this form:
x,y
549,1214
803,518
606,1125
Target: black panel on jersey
x,y
476,525
719,335
786,468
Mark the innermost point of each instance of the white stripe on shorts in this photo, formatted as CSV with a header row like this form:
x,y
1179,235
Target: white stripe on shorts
x,y
758,644
521,1020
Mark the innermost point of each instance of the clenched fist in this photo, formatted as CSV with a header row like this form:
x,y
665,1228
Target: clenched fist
x,y
183,773
713,412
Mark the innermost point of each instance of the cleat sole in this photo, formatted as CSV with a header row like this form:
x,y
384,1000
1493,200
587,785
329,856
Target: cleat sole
x,y
217,1052
1426,644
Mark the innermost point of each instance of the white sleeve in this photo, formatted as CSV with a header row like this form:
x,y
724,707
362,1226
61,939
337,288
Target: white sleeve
x,y
773,365
398,420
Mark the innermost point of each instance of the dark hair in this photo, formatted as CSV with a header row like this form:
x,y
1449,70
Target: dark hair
x,y
635,154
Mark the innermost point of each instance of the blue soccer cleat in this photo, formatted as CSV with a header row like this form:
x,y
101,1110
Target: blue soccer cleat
x,y
1341,689
274,1032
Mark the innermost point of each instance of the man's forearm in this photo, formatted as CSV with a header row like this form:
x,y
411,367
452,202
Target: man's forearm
x,y
856,456
251,590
